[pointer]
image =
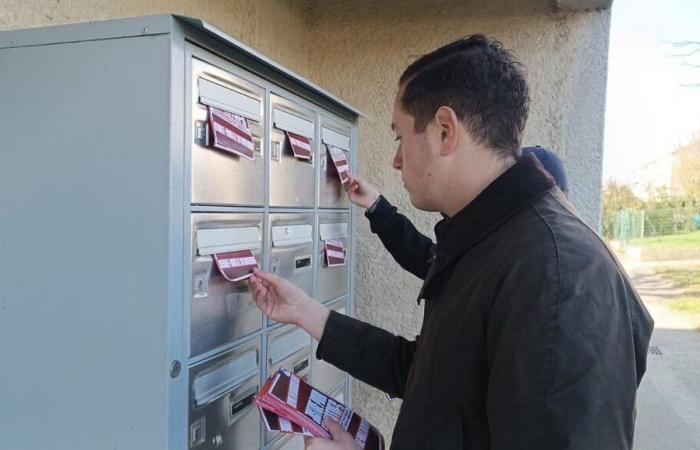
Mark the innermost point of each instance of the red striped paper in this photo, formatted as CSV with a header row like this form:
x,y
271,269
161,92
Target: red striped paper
x,y
231,133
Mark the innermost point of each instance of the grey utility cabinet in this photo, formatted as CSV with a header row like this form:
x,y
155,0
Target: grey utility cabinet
x,y
117,329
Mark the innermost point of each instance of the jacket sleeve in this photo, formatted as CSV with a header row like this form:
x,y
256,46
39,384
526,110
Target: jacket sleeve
x,y
409,247
366,352
561,358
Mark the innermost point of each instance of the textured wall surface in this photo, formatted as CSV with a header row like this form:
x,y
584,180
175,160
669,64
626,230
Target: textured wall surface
x,y
357,50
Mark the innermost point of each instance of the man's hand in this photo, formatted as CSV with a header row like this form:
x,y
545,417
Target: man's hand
x,y
342,440
361,192
285,302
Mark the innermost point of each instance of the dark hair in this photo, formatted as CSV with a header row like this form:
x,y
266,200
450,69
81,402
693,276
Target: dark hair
x,y
480,80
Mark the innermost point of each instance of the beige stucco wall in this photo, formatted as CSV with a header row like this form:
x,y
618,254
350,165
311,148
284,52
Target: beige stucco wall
x,y
357,50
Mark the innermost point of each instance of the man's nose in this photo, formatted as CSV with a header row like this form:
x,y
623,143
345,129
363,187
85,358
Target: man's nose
x,y
398,159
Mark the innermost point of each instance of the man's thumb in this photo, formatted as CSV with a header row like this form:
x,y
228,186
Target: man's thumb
x,y
334,428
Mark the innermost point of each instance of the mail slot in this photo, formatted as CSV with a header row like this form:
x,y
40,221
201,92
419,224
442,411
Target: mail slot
x,y
222,413
331,192
288,347
292,248
326,376
223,311
292,154
333,256
227,137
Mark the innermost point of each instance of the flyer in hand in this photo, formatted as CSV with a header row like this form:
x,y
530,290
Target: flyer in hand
x,y
291,405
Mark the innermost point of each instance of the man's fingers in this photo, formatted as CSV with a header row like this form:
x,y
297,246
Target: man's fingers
x,y
267,277
336,430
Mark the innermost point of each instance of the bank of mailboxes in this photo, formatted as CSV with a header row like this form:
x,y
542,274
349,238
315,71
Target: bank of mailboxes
x,y
309,247
222,162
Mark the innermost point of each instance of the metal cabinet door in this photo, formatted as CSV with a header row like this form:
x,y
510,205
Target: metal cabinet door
x,y
220,177
288,347
340,393
222,311
326,376
331,192
291,178
292,248
290,442
332,281
222,414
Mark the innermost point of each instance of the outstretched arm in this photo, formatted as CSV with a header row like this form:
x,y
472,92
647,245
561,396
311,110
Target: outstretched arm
x,y
409,247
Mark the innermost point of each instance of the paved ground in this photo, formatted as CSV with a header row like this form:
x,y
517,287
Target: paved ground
x,y
668,406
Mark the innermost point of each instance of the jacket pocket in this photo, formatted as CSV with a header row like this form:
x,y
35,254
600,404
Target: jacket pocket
x,y
444,422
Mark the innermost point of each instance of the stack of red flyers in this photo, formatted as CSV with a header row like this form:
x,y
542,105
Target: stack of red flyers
x,y
289,404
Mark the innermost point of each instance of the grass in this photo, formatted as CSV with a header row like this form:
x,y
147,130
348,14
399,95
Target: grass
x,y
670,242
687,278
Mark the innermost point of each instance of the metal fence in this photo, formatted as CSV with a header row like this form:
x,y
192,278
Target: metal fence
x,y
625,225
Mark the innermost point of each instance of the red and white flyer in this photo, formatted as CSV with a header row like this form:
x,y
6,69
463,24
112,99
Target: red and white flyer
x,y
335,252
236,266
342,165
231,133
289,404
301,145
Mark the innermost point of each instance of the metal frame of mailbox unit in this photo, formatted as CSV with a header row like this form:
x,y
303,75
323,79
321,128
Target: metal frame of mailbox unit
x,y
104,344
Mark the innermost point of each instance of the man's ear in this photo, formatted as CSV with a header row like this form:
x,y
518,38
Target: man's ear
x,y
449,127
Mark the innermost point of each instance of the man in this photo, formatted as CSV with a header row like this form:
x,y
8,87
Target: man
x,y
410,248
533,337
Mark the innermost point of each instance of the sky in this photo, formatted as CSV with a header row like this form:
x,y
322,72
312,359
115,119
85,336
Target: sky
x,y
648,112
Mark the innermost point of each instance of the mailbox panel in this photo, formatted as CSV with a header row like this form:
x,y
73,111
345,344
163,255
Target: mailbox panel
x,y
289,442
222,413
331,192
340,393
332,280
292,248
291,171
220,177
288,347
326,376
222,311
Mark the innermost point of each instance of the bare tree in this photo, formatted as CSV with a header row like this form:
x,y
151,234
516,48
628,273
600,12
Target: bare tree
x,y
689,51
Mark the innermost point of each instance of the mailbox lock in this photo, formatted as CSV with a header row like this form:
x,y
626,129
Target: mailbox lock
x,y
175,368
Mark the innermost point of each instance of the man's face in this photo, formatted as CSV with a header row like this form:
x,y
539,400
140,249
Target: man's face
x,y
415,158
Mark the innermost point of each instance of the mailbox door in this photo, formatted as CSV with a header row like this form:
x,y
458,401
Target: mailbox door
x,y
331,192
292,248
221,177
332,280
326,376
222,311
340,393
288,347
222,413
291,172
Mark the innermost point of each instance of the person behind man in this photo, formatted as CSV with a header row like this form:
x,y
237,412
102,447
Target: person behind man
x,y
507,357
411,249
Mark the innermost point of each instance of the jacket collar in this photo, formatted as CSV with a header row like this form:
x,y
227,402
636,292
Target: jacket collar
x,y
517,187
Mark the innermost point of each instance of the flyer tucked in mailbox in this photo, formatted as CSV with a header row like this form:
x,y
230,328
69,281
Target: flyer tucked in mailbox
x,y
290,405
231,133
342,165
236,266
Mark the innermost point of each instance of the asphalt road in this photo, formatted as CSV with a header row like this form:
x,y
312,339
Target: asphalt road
x,y
668,404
